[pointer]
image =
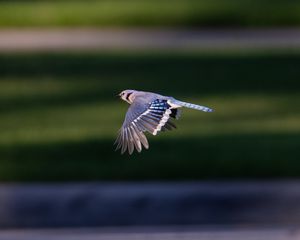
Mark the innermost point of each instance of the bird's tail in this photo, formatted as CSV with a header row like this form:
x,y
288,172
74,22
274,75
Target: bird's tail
x,y
192,106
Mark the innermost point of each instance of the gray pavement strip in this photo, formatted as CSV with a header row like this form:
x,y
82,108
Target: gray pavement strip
x,y
145,204
213,233
76,39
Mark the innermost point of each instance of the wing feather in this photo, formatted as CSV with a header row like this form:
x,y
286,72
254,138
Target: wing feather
x,y
124,143
144,117
136,139
130,141
142,137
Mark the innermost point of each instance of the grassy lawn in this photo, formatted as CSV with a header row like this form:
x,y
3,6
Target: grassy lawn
x,y
59,116
206,13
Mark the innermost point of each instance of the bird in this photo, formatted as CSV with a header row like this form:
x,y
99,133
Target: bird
x,y
148,112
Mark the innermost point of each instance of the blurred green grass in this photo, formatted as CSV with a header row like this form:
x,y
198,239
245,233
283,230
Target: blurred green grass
x,y
59,116
205,13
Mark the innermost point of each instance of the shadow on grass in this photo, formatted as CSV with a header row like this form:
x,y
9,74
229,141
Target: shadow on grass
x,y
238,156
208,73
173,74
66,99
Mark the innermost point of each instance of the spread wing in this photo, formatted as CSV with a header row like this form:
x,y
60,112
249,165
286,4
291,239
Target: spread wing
x,y
140,117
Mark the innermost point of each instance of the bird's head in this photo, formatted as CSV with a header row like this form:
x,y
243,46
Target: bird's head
x,y
127,95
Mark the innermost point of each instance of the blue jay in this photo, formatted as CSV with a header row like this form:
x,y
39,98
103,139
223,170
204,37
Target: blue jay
x,y
148,112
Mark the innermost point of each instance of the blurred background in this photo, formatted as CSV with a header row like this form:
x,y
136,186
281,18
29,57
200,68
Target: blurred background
x,y
63,62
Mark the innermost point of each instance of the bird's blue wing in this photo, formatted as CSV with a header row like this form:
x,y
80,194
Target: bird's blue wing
x,y
141,117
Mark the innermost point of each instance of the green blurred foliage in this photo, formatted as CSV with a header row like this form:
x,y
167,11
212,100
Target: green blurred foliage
x,y
204,13
59,116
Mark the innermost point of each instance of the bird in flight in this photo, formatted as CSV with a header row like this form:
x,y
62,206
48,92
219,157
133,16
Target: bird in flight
x,y
148,112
